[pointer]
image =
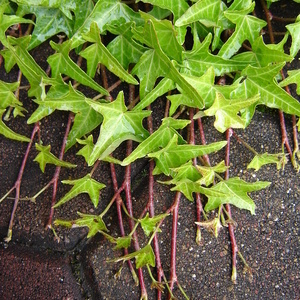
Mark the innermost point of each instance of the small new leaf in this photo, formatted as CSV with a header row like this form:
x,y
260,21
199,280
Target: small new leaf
x,y
264,159
233,191
149,224
46,157
122,242
10,134
98,53
85,184
227,112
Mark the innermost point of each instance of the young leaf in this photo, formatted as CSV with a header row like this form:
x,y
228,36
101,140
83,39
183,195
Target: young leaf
x,y
265,54
174,155
263,159
226,112
60,62
85,184
209,173
122,242
98,53
187,187
46,157
197,61
124,41
7,132
149,224
294,77
247,28
164,86
118,125
87,149
159,139
154,63
86,120
17,53
294,30
7,96
105,13
7,21
49,22
261,81
143,257
206,11
94,223
233,191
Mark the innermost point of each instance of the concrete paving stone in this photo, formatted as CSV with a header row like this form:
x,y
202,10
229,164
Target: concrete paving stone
x,y
26,273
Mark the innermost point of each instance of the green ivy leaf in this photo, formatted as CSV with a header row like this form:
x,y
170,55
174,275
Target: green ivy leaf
x,y
143,257
60,62
197,61
174,155
159,139
49,22
105,13
149,224
17,53
87,149
187,187
84,122
206,11
46,157
233,191
164,86
118,125
209,173
98,53
294,30
7,96
226,112
124,41
247,28
6,21
294,77
10,134
261,81
94,223
264,159
85,184
122,242
265,54
154,63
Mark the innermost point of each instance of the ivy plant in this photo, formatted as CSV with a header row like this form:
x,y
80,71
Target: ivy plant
x,y
204,58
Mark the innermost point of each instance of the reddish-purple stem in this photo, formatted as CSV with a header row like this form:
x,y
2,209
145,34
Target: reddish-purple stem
x,y
55,178
199,207
203,140
17,184
175,209
284,137
150,205
234,248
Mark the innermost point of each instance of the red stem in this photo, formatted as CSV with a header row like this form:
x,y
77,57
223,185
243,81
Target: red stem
x,y
173,276
17,184
55,178
159,268
234,248
199,207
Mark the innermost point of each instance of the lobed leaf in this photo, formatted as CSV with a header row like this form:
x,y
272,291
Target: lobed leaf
x,y
118,125
46,157
264,159
85,184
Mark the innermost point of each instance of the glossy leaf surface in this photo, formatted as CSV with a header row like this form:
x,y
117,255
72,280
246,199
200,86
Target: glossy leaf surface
x,y
118,125
85,184
46,157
